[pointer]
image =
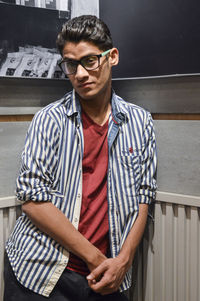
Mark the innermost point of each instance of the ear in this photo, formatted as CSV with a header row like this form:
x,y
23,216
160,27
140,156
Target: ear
x,y
114,56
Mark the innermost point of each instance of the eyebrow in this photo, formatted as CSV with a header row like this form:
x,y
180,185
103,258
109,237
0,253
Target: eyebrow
x,y
73,60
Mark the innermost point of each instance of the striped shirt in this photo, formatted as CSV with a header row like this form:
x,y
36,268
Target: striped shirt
x,y
51,170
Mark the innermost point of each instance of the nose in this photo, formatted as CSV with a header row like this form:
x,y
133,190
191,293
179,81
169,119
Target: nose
x,y
81,73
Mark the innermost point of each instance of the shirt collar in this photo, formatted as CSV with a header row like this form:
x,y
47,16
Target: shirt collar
x,y
72,104
119,113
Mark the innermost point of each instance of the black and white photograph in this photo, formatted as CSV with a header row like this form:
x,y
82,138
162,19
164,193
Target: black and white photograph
x,y
28,32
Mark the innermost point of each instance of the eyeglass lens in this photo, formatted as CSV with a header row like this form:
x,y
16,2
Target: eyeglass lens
x,y
89,63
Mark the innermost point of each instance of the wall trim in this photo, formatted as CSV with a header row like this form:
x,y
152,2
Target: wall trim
x,y
181,199
9,201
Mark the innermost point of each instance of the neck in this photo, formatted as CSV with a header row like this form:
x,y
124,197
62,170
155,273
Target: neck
x,y
98,109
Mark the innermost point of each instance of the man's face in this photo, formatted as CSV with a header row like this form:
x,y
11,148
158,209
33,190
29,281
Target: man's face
x,y
94,83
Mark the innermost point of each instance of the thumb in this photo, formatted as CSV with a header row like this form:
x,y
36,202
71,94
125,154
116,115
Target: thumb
x,y
91,276
96,273
91,279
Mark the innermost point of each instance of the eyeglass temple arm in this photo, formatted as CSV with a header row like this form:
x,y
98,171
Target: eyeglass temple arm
x,y
105,52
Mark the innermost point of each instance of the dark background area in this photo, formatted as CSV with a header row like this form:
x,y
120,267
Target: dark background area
x,y
154,37
21,25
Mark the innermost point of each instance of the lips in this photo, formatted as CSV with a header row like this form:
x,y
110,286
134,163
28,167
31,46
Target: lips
x,y
85,85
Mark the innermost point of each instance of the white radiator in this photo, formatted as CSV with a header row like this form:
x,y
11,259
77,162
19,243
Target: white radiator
x,y
9,210
167,263
168,259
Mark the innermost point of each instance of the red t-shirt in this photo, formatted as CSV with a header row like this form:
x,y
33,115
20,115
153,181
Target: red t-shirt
x,y
94,210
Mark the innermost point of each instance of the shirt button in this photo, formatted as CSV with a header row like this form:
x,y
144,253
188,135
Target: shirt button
x,y
79,195
76,220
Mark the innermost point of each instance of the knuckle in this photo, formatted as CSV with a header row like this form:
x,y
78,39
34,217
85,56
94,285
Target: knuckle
x,y
108,281
113,287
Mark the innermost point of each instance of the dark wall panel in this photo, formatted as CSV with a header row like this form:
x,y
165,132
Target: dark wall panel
x,y
154,37
177,95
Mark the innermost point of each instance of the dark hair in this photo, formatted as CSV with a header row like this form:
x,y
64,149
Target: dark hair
x,y
85,28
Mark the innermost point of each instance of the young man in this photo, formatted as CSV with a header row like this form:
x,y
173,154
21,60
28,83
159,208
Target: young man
x,y
86,180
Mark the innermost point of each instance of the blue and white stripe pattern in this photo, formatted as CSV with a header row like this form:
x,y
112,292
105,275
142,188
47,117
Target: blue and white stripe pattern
x,y
51,170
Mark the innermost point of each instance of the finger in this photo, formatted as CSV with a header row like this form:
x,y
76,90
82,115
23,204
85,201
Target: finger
x,y
103,284
103,290
96,273
107,292
90,282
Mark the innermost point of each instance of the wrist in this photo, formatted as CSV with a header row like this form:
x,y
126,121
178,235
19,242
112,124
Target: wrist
x,y
126,259
94,258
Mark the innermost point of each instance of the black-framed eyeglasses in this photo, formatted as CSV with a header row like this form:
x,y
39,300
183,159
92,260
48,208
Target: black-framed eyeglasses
x,y
90,62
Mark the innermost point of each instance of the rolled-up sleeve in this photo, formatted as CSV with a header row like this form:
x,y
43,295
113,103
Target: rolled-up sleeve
x,y
39,160
148,185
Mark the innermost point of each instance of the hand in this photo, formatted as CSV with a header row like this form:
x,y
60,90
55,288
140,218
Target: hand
x,y
108,276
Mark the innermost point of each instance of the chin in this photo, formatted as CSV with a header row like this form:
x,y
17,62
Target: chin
x,y
87,95
93,93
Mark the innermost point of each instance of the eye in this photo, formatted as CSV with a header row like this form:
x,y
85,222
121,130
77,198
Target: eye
x,y
70,63
90,60
69,66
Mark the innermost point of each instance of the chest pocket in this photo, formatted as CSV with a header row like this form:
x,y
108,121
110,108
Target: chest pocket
x,y
130,173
